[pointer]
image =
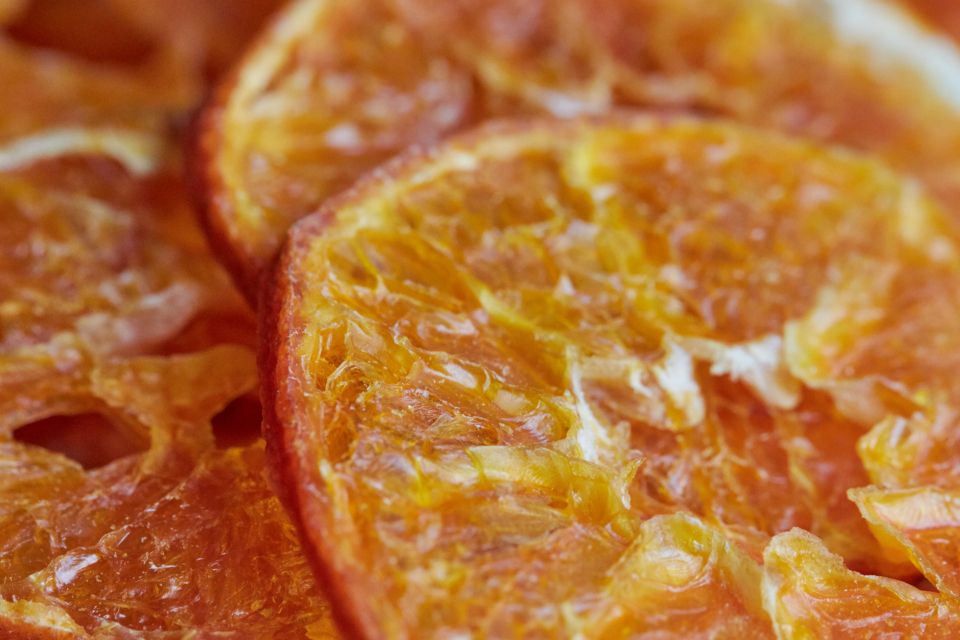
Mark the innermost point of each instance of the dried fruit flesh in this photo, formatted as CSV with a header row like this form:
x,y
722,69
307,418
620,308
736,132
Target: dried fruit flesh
x,y
140,49
923,524
810,594
64,101
490,364
333,89
183,538
101,255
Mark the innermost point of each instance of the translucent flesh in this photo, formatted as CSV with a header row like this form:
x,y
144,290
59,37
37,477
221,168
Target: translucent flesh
x,y
924,524
95,263
810,594
499,360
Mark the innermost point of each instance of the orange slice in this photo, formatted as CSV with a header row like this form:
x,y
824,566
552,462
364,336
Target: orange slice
x,y
118,516
183,538
489,364
55,94
101,254
810,594
333,89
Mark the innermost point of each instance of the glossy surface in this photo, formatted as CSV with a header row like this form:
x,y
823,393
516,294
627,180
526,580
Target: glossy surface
x,y
100,255
333,89
810,594
923,524
491,364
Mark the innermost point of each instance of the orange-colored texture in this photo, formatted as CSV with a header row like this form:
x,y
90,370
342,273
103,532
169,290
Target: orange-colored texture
x,y
333,89
490,365
121,339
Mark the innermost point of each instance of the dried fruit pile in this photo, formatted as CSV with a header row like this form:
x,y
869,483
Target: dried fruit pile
x,y
668,352
120,341
332,89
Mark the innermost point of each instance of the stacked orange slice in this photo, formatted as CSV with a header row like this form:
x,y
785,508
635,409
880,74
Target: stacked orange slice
x,y
668,350
122,514
332,89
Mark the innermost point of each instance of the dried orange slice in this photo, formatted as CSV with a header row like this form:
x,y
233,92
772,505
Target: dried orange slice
x,y
332,89
810,594
488,365
210,35
85,160
110,310
183,538
64,99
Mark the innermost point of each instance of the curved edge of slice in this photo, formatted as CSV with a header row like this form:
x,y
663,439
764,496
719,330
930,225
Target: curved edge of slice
x,y
919,524
210,188
204,185
809,593
281,401
275,320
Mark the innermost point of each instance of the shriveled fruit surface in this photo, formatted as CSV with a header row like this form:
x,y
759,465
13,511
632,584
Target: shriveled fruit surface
x,y
100,255
334,88
810,594
99,269
95,262
184,538
924,524
487,367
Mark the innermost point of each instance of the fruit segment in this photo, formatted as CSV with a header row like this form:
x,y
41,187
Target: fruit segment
x,y
923,524
810,594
